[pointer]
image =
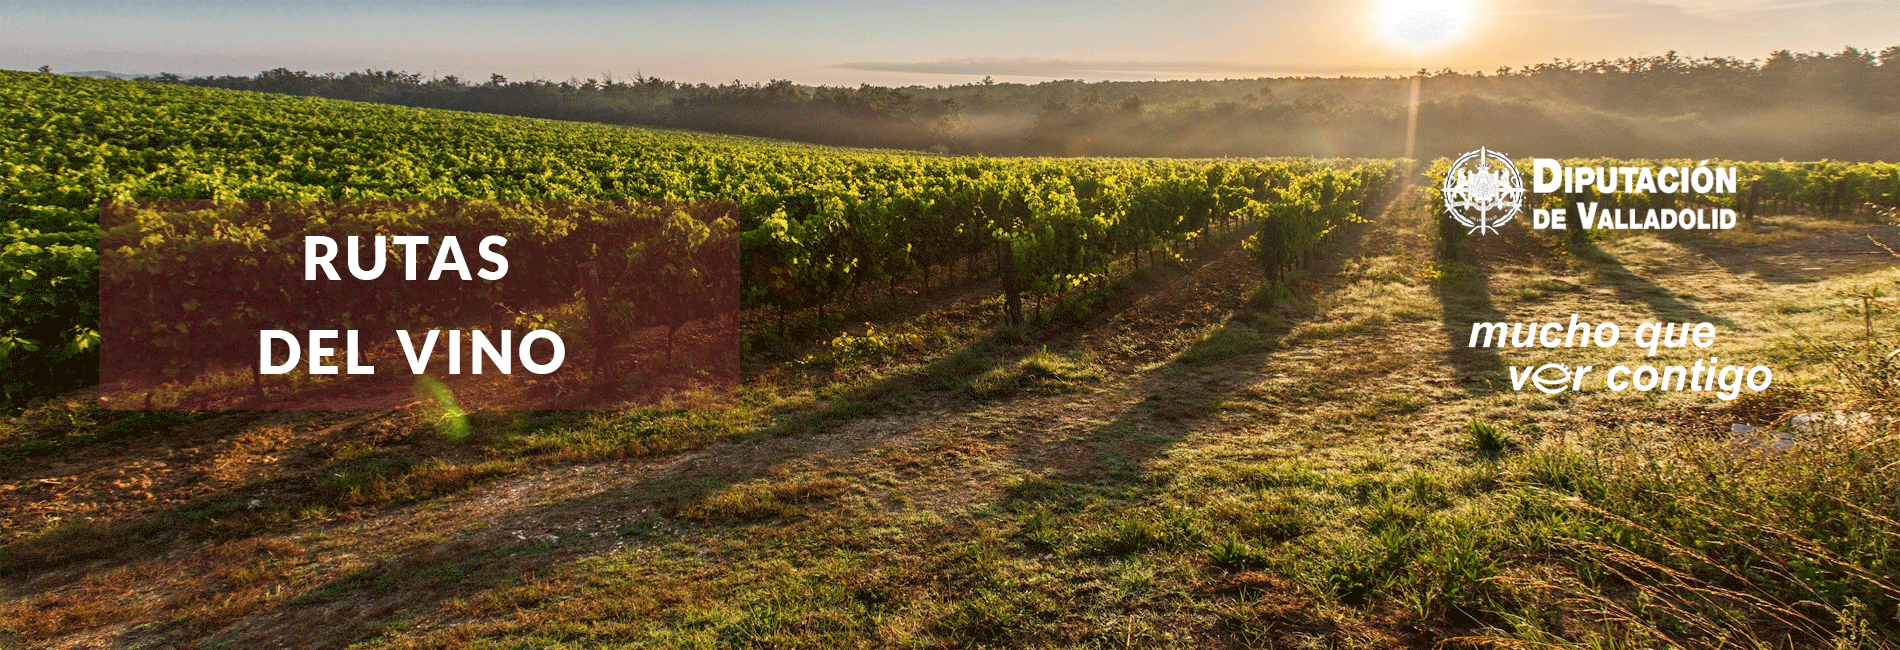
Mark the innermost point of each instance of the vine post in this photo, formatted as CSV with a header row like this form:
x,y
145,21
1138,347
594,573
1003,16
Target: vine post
x,y
1012,287
596,319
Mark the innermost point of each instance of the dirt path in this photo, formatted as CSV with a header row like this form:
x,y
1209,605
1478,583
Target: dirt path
x,y
503,520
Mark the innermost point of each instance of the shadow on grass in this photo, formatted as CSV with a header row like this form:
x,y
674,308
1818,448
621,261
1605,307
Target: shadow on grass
x,y
1464,295
875,414
381,483
1633,288
1820,250
945,387
1739,261
1179,395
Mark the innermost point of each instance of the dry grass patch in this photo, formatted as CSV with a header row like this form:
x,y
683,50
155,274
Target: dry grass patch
x,y
1040,373
759,500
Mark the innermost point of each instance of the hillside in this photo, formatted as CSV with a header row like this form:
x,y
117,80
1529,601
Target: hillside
x,y
79,141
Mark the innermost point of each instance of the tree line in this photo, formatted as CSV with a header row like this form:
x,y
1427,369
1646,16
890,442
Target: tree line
x,y
1790,105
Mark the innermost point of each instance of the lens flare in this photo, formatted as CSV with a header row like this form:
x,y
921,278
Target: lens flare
x,y
450,421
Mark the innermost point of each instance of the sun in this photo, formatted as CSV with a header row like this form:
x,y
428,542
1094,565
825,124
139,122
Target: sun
x,y
1422,24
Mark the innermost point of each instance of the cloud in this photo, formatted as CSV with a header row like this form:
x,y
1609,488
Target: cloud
x,y
1069,68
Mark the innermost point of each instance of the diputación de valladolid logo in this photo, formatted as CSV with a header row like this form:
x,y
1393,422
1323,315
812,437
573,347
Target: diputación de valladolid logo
x,y
1484,190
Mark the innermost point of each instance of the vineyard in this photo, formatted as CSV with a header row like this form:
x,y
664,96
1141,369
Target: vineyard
x,y
816,223
1156,403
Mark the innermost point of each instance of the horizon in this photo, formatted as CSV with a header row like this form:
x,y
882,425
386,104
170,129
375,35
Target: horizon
x,y
902,44
475,79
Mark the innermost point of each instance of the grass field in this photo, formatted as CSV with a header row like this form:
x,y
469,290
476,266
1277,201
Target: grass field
x,y
1191,463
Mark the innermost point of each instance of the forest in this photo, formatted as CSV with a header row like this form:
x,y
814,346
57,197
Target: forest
x,y
1789,105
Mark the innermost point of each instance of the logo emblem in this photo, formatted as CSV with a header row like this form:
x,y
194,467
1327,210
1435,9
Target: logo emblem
x,y
1483,191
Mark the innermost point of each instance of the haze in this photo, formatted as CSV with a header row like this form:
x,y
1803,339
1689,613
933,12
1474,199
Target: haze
x,y
897,43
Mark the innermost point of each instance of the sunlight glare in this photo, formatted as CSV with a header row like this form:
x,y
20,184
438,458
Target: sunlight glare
x,y
1420,24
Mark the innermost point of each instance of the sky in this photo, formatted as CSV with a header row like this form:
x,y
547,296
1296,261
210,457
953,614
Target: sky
x,y
934,42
